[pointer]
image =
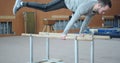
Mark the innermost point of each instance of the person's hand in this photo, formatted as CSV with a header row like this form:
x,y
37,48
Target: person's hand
x,y
81,35
63,37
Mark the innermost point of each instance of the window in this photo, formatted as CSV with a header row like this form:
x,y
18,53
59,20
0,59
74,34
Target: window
x,y
6,27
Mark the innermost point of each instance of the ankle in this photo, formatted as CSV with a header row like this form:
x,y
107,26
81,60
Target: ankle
x,y
24,3
21,3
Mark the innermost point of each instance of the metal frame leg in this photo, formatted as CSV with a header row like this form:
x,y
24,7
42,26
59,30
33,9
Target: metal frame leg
x,y
31,49
92,49
47,49
76,51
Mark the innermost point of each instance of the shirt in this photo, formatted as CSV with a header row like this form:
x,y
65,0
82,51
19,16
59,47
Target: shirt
x,y
80,7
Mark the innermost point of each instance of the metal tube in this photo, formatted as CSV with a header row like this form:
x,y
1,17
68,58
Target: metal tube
x,y
31,49
47,49
76,51
92,50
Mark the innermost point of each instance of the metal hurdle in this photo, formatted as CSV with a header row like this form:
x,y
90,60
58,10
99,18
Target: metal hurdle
x,y
75,37
31,48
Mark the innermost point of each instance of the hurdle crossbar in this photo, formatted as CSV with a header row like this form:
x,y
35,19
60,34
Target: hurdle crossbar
x,y
86,37
78,36
58,36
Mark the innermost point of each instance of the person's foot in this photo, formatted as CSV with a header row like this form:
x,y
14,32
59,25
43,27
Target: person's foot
x,y
17,6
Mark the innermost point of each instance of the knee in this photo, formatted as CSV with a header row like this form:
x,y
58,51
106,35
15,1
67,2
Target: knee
x,y
47,8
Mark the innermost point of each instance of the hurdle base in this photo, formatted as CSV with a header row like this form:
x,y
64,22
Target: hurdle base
x,y
52,61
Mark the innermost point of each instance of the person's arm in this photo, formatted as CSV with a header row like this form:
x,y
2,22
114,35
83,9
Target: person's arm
x,y
85,23
80,11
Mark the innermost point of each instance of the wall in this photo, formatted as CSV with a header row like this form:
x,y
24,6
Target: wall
x,y
18,22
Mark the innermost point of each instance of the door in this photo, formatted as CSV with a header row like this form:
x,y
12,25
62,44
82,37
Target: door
x,y
30,22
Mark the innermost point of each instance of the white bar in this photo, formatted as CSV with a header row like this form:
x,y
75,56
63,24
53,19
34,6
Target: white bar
x,y
47,49
87,37
92,52
76,51
31,48
92,49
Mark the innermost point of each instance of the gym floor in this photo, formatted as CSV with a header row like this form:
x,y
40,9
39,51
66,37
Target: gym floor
x,y
15,49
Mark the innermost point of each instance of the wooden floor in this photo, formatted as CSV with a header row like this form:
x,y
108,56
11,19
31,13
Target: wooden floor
x,y
16,50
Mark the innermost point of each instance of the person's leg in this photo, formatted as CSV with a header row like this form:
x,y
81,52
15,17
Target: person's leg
x,y
54,5
17,6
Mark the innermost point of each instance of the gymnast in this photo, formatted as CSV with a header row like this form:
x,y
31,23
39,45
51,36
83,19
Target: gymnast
x,y
88,8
